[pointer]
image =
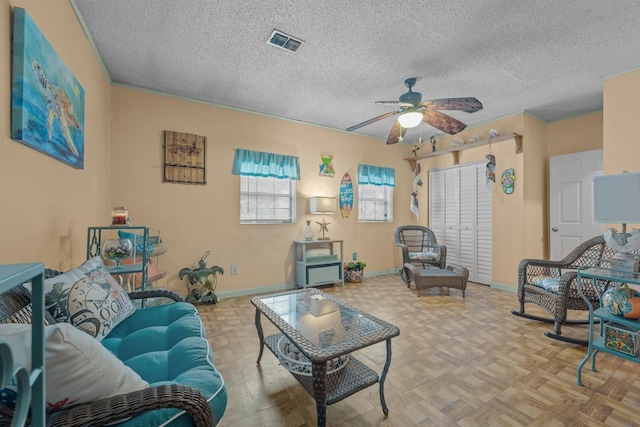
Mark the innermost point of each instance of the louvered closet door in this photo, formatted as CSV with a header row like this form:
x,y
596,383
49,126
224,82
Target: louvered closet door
x,y
460,200
450,211
436,204
484,233
467,207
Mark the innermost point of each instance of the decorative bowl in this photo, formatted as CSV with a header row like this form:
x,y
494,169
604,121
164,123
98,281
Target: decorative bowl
x,y
297,363
116,250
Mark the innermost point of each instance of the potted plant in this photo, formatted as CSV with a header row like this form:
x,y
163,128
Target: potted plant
x,y
354,271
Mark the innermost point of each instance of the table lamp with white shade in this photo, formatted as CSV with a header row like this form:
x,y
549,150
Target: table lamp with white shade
x,y
617,200
323,206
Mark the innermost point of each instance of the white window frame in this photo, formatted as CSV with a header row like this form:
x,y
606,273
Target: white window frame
x,y
375,203
262,198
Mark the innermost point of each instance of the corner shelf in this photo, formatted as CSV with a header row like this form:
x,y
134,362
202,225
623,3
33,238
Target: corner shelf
x,y
134,276
455,151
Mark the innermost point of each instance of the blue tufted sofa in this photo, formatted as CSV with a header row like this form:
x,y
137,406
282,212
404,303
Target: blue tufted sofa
x,y
167,346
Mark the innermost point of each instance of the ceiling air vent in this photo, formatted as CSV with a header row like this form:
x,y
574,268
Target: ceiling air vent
x,y
284,41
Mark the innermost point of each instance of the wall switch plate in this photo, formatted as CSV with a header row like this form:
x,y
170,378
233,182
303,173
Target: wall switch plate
x,y
355,256
234,269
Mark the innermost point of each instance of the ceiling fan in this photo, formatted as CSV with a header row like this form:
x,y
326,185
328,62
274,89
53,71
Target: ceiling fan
x,y
412,111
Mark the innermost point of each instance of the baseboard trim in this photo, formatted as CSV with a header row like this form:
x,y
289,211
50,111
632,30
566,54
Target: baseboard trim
x,y
503,287
288,286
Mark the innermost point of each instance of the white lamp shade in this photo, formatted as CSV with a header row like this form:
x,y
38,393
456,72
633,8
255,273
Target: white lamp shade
x,y
616,198
410,119
322,205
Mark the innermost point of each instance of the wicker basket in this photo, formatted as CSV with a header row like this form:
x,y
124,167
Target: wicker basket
x,y
287,353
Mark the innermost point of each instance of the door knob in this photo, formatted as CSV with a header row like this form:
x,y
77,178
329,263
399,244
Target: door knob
x,y
554,229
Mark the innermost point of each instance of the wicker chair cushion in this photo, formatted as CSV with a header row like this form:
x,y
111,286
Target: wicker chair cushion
x,y
99,302
549,284
167,344
78,368
430,256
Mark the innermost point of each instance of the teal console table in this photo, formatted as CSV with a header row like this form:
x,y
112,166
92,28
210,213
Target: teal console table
x,y
319,268
29,385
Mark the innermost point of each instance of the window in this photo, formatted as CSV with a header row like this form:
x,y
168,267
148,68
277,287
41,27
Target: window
x,y
375,193
267,200
267,187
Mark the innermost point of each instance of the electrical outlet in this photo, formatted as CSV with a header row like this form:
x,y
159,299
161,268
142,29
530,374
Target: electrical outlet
x,y
355,256
234,268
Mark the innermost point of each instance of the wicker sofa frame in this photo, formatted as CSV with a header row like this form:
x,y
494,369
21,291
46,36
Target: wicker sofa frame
x,y
416,238
592,252
116,408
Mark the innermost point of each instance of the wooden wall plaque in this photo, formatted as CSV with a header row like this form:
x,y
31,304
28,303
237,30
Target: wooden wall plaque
x,y
184,158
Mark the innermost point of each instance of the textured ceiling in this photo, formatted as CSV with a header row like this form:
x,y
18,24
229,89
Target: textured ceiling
x,y
545,57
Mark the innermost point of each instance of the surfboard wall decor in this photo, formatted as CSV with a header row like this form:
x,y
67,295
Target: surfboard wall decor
x,y
346,196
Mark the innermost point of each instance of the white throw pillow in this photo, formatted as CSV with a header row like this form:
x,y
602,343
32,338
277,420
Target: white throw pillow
x,y
78,368
88,297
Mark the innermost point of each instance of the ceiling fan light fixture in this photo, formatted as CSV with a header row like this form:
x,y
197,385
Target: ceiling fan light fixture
x,y
410,118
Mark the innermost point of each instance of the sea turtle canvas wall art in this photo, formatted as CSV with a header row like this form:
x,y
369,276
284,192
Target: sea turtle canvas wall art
x,y
47,102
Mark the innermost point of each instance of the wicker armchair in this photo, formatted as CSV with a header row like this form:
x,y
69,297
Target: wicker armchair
x,y
15,304
561,294
415,240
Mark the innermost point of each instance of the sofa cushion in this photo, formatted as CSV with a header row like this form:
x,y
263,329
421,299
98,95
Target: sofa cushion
x,y
549,284
167,344
78,368
424,256
88,297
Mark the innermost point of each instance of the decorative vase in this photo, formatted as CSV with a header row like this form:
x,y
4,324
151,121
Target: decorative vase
x,y
308,231
616,300
353,276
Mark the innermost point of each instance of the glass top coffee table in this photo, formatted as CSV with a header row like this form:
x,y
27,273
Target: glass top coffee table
x,y
317,335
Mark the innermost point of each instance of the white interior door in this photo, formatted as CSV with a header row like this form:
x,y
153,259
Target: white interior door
x,y
571,200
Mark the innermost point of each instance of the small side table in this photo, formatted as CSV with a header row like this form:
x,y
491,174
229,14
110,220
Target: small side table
x,y
454,276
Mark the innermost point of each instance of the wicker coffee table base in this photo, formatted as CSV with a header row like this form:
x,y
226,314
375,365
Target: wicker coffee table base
x,y
332,388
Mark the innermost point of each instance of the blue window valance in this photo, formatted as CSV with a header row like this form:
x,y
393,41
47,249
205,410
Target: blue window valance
x,y
258,163
376,175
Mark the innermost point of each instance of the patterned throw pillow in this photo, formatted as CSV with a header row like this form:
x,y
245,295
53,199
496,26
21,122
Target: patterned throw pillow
x,y
88,297
78,368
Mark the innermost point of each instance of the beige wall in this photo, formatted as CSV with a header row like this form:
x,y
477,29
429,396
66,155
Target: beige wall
x,y
621,123
507,210
582,133
196,218
46,204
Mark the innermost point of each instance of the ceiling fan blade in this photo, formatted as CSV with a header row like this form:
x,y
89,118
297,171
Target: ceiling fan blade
x,y
443,122
396,134
375,119
468,105
395,103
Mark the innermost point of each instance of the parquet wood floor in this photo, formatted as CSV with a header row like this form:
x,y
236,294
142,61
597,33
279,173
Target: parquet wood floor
x,y
457,362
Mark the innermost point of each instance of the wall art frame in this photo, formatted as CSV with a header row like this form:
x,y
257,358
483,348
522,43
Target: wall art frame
x,y
47,101
184,158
